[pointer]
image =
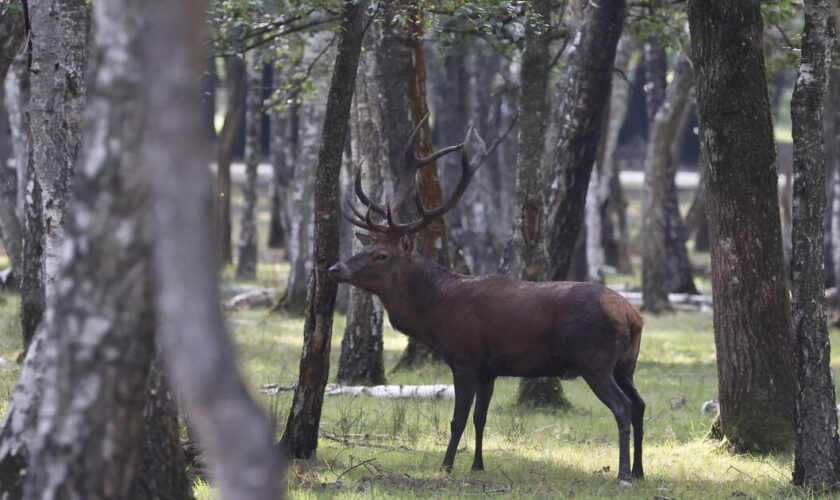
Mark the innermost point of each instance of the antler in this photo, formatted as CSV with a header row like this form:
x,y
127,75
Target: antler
x,y
472,156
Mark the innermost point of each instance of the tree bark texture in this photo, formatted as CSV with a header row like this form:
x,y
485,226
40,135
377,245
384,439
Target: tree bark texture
x,y
305,123
433,241
161,471
657,159
361,361
57,78
680,274
11,37
16,101
246,264
584,90
235,76
602,242
752,337
301,435
281,168
235,434
817,457
99,343
530,254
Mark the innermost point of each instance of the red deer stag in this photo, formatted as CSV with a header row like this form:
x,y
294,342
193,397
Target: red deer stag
x,y
490,326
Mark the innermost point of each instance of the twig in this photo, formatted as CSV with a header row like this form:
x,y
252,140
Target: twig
x,y
292,29
346,442
345,471
296,87
502,136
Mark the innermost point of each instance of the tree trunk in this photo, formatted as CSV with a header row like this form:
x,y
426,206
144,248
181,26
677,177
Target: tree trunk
x,y
680,275
235,434
17,103
279,188
305,121
11,37
433,241
246,265
235,82
530,259
55,109
361,361
817,457
663,128
101,340
584,90
58,40
696,222
607,168
300,438
161,470
752,337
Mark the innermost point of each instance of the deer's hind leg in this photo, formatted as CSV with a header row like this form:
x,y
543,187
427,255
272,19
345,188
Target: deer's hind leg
x,y
482,402
466,385
606,388
637,417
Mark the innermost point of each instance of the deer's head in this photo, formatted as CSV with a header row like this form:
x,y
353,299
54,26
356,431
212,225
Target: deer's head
x,y
385,256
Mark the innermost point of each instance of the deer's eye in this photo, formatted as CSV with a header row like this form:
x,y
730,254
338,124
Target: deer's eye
x,y
380,256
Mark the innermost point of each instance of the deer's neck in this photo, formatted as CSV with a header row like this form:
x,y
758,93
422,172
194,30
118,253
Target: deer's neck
x,y
414,308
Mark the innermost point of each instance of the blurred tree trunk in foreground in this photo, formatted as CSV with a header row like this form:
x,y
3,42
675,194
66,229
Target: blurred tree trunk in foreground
x,y
235,434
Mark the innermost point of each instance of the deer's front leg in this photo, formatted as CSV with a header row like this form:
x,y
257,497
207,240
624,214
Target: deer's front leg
x,y
465,387
482,402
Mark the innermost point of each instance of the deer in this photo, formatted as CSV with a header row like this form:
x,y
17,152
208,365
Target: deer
x,y
486,327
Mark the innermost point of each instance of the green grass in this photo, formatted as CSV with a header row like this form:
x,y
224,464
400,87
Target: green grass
x,y
528,454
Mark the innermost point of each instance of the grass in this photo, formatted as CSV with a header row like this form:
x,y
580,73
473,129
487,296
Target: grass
x,y
528,453
372,448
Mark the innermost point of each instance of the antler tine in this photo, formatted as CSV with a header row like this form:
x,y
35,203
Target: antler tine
x,y
356,222
363,197
409,146
422,162
373,226
427,216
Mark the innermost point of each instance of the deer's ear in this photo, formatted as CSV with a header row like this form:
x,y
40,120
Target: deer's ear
x,y
366,239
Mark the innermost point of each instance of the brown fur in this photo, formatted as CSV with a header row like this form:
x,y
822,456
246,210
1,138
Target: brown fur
x,y
490,326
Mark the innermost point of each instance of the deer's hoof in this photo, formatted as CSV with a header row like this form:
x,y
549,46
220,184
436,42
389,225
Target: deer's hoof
x,y
477,467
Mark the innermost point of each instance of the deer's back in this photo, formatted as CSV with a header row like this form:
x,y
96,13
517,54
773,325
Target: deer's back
x,y
516,328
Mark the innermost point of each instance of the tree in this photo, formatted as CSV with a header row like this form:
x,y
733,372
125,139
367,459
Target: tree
x,y
361,359
235,75
602,244
235,434
246,265
93,435
657,161
530,260
58,48
583,90
55,110
160,470
12,31
817,457
300,438
752,337
305,121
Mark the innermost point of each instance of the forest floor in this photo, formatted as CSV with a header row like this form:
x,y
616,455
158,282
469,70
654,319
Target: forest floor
x,y
392,448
